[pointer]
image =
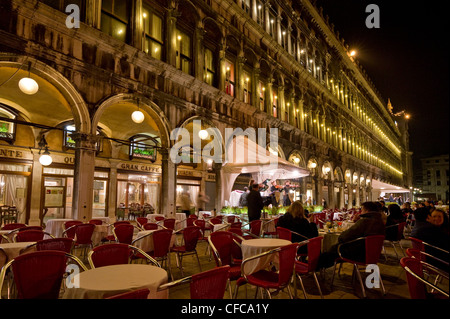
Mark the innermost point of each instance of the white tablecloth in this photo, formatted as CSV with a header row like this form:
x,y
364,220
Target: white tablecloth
x,y
103,282
55,226
252,247
13,250
234,198
329,239
151,217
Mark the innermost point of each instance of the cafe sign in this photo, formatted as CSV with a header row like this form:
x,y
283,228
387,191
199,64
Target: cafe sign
x,y
140,167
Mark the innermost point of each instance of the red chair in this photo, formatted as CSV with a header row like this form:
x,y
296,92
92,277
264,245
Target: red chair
x,y
284,233
236,225
135,294
214,221
190,221
397,240
303,268
39,275
255,227
231,219
210,284
150,226
115,254
373,246
169,223
190,237
13,226
159,218
237,231
141,221
417,285
29,235
201,223
162,240
60,244
96,221
222,244
83,236
123,233
69,228
265,279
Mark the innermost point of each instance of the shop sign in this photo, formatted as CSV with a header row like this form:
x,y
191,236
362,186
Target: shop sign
x,y
183,172
11,153
140,167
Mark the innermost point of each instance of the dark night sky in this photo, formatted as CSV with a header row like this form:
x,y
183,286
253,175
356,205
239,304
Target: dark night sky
x,y
407,60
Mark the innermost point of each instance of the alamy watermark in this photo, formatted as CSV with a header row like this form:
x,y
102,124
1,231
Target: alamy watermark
x,y
373,19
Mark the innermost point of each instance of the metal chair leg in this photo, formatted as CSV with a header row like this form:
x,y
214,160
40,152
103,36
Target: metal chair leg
x,y
303,287
360,280
318,285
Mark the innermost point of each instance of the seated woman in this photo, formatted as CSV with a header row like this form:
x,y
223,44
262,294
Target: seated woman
x,y
295,220
395,216
440,219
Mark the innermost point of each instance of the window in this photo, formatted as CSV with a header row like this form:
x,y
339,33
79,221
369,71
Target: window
x,y
7,129
246,6
114,18
153,31
260,13
262,94
144,147
210,73
247,88
275,103
284,36
184,55
272,24
229,78
61,5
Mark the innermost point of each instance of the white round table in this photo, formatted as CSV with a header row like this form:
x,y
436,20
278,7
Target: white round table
x,y
103,282
252,247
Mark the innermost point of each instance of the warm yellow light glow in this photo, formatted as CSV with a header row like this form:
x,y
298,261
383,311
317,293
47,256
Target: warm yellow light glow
x,y
28,86
203,134
144,15
179,37
137,117
353,53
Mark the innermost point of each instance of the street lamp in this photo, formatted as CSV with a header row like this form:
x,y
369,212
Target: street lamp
x,y
137,116
27,85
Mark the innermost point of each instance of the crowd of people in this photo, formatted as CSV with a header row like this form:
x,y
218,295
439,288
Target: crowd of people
x,y
426,223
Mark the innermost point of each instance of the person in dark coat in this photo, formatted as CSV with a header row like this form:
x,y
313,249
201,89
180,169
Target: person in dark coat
x,y
395,216
255,203
431,234
295,220
370,223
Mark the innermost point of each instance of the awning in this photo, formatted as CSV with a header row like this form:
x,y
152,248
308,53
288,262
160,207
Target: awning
x,y
245,156
388,188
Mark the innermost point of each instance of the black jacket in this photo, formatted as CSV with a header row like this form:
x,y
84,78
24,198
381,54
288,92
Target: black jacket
x,y
255,205
298,225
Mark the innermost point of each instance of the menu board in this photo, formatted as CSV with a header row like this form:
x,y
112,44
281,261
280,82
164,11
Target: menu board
x,y
54,196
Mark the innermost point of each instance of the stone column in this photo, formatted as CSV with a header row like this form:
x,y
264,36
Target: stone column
x,y
350,195
36,188
331,196
357,198
255,87
168,185
93,13
319,191
83,181
281,103
171,36
112,190
219,195
199,54
269,97
222,69
341,196
292,109
239,80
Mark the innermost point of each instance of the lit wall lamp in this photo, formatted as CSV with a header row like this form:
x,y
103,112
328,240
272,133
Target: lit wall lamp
x,y
27,85
45,158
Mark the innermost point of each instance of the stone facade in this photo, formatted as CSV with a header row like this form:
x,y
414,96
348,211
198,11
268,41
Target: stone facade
x,y
241,70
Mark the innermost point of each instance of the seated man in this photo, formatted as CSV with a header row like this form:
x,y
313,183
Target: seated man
x,y
370,223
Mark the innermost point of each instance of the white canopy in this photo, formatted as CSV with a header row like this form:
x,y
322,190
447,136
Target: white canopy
x,y
388,188
245,156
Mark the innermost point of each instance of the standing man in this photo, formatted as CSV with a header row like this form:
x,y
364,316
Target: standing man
x,y
255,203
185,203
243,198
